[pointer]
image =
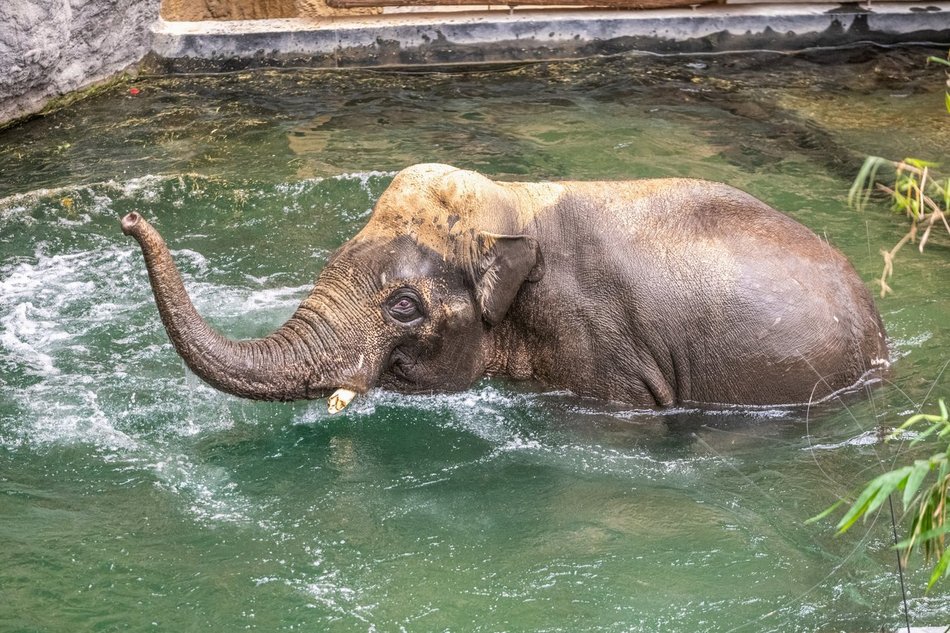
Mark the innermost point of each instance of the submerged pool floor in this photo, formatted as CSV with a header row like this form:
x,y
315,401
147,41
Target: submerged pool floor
x,y
134,497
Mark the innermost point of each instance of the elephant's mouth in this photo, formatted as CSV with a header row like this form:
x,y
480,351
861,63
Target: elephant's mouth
x,y
400,366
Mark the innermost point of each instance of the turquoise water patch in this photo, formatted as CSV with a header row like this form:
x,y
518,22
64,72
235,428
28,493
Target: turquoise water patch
x,y
133,496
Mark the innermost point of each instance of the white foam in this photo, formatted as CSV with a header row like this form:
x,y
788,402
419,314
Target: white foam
x,y
32,301
79,418
868,438
193,259
212,496
330,592
25,336
215,301
519,443
482,411
272,298
903,346
47,308
486,413
147,188
364,178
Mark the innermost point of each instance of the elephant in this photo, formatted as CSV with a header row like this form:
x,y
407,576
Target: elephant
x,y
650,292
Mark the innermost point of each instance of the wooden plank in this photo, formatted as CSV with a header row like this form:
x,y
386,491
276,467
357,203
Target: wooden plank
x,y
613,4
195,10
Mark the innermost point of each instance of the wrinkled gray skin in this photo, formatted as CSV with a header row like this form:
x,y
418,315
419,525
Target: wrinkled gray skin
x,y
650,292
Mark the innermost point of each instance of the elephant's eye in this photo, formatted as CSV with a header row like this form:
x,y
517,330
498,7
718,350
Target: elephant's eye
x,y
404,306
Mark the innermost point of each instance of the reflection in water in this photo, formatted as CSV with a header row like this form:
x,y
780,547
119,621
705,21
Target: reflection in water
x,y
721,117
133,495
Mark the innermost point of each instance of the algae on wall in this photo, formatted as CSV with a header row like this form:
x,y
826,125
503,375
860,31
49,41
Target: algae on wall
x,y
49,48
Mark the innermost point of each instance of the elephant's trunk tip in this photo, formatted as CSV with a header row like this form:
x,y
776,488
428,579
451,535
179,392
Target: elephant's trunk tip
x,y
130,222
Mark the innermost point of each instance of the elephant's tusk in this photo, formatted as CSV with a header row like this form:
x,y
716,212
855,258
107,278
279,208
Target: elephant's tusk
x,y
339,399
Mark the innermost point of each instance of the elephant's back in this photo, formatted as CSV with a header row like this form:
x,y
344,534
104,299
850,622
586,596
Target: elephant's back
x,y
698,208
743,303
789,319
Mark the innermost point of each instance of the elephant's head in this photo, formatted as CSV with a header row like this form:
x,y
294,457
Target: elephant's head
x,y
411,303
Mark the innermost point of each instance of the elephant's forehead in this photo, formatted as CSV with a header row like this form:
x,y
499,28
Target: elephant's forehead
x,y
376,263
435,209
415,219
443,208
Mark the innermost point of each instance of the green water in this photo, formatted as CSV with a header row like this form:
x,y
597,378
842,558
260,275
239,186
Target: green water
x,y
133,497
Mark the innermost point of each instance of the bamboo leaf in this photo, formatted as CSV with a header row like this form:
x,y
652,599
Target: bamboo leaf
x,y
916,477
873,495
825,513
924,435
920,164
858,508
890,484
863,185
943,565
923,536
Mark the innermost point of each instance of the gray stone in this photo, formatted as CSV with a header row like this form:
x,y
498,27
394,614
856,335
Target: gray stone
x,y
49,48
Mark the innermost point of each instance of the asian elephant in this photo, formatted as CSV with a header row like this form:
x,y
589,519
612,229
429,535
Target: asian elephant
x,y
648,292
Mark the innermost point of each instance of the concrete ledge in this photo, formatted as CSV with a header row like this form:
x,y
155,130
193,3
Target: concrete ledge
x,y
497,37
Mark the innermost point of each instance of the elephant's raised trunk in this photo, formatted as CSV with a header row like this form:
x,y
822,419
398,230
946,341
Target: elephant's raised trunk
x,y
286,365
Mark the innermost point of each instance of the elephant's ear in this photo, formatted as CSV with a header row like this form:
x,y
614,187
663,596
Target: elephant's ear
x,y
504,262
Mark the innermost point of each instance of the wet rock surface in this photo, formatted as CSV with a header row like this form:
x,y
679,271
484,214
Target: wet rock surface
x,y
48,49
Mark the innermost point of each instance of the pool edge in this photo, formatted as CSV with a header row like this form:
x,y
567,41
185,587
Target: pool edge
x,y
447,39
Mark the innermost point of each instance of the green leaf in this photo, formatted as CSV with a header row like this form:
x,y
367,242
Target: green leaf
x,y
858,508
924,536
890,482
920,164
943,565
919,470
920,438
863,185
873,495
824,513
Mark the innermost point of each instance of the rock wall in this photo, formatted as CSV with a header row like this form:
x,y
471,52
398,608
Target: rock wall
x,y
52,47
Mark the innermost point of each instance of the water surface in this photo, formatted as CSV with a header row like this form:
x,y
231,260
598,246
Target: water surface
x,y
133,497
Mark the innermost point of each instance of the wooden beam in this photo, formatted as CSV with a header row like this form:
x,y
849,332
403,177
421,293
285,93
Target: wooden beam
x,y
613,4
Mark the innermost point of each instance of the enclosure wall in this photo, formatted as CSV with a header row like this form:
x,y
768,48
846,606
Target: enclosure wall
x,y
51,48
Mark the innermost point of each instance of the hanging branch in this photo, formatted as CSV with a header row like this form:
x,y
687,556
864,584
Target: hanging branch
x,y
916,193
